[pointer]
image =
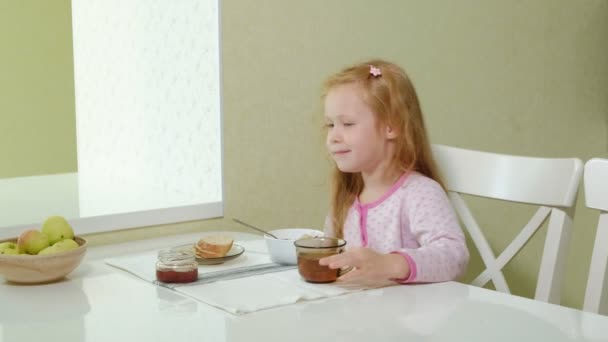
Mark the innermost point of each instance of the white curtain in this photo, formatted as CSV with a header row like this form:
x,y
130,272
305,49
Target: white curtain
x,y
147,84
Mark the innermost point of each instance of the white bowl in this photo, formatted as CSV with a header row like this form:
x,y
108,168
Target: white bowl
x,y
282,250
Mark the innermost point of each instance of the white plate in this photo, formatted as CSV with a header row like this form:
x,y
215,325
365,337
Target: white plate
x,y
234,252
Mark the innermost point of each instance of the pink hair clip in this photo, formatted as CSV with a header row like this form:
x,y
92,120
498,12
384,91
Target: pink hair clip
x,y
374,71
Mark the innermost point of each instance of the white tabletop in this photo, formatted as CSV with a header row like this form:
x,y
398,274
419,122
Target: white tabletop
x,y
100,303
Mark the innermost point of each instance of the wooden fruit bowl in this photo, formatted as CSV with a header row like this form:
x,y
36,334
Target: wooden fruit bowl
x,y
35,269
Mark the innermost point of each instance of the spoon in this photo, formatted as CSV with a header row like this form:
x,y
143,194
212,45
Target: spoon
x,y
254,228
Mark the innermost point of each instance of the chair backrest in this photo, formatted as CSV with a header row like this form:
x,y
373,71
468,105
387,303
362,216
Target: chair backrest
x,y
596,197
551,183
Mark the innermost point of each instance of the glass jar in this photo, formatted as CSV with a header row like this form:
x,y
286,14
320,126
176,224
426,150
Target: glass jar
x,y
176,266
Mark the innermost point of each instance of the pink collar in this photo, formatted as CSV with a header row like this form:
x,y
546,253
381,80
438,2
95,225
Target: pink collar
x,y
390,191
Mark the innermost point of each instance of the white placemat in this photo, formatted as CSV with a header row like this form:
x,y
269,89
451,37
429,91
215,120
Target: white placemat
x,y
253,261
242,285
259,292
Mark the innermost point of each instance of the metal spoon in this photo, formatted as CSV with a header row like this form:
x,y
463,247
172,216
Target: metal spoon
x,y
254,228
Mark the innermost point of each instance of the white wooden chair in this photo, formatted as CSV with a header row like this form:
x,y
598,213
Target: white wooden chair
x,y
551,183
596,197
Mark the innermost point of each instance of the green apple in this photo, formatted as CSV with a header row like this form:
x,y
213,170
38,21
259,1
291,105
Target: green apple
x,y
57,229
32,241
61,246
48,250
9,248
66,245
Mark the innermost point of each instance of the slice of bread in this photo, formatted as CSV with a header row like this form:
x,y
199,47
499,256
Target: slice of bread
x,y
213,246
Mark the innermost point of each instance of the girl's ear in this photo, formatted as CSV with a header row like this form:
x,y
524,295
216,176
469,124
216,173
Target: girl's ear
x,y
390,133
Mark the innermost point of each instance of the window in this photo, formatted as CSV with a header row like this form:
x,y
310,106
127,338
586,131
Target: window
x,y
148,123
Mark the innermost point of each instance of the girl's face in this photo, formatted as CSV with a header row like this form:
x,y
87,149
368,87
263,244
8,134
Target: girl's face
x,y
355,141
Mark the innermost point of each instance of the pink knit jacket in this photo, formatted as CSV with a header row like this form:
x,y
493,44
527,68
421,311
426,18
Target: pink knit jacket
x,y
414,219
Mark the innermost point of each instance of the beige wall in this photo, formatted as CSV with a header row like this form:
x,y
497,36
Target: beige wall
x,y
37,122
521,77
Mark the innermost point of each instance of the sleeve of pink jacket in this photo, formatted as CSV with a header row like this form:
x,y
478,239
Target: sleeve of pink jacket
x,y
442,254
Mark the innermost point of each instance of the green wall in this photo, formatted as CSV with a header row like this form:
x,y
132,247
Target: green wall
x,y
37,122
520,77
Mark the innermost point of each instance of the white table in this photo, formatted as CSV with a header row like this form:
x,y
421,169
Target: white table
x,y
100,303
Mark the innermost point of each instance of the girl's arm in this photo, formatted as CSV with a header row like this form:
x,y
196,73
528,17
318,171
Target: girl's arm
x,y
443,254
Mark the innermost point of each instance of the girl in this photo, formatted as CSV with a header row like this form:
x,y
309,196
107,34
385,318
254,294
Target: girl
x,y
388,201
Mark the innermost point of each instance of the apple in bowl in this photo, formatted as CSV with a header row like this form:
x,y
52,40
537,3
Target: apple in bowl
x,y
8,248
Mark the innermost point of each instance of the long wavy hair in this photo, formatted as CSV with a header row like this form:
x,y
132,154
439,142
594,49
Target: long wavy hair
x,y
392,98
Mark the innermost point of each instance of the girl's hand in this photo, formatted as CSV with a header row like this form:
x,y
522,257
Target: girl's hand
x,y
369,266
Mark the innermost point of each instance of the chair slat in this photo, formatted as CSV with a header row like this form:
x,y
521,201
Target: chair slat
x,y
553,262
485,251
542,181
596,184
518,243
595,296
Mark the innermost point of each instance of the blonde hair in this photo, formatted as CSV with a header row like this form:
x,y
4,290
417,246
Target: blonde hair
x,y
392,98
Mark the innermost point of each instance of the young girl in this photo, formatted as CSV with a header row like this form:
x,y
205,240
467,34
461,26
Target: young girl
x,y
388,201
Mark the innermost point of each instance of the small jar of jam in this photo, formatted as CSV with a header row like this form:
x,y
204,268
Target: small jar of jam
x,y
176,266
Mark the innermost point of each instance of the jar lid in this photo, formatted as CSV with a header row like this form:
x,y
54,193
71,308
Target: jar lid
x,y
175,255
